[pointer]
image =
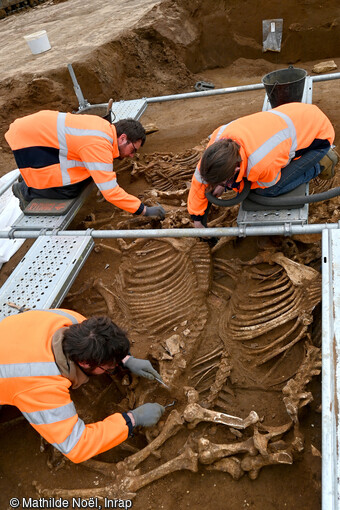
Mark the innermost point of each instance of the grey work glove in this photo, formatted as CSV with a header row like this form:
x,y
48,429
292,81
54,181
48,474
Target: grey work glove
x,y
157,211
141,367
146,415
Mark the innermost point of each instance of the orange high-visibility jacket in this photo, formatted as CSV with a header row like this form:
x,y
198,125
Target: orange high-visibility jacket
x,y
58,149
268,142
31,381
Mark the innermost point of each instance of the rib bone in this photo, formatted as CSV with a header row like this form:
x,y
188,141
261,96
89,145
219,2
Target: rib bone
x,y
194,414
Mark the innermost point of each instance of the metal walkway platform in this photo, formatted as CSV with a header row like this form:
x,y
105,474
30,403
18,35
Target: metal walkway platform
x,y
33,222
45,274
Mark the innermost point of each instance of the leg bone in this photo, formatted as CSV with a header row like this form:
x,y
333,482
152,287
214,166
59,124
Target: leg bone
x,y
194,413
209,452
171,426
231,465
187,460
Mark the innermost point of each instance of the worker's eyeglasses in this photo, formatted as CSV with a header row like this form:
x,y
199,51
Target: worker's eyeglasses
x,y
134,147
109,371
229,183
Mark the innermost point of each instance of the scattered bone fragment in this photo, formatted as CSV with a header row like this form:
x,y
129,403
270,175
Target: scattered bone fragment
x,y
209,452
194,414
173,344
150,128
315,451
99,492
103,246
231,465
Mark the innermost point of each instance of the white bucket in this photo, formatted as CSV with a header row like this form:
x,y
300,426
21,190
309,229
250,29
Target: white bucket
x,y
38,42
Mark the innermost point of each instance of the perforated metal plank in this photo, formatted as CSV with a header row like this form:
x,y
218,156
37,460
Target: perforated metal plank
x,y
45,274
330,369
33,222
297,216
133,109
273,217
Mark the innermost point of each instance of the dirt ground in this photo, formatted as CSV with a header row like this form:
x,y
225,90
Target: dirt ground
x,y
146,48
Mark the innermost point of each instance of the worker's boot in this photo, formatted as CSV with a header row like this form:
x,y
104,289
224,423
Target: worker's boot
x,y
17,193
328,164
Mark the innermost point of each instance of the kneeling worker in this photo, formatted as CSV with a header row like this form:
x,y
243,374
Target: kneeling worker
x,y
53,350
276,151
58,153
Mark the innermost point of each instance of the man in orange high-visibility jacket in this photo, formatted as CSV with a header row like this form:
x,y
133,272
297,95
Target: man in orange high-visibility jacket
x,y
44,353
276,150
57,153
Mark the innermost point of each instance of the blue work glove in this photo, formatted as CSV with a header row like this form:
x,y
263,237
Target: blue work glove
x,y
146,415
141,367
157,211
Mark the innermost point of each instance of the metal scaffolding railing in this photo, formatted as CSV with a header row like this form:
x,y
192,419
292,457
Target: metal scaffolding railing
x,y
266,230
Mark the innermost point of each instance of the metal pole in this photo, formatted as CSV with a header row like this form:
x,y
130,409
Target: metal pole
x,y
229,90
285,229
213,92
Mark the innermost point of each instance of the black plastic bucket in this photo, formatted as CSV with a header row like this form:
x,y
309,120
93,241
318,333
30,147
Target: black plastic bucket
x,y
285,86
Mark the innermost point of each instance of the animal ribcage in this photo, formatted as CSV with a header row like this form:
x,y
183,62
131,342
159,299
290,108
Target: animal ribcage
x,y
162,284
168,172
264,322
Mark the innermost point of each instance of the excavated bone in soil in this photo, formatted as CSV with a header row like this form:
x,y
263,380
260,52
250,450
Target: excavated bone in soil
x,y
231,465
187,460
254,464
266,316
170,428
194,414
128,483
295,394
209,452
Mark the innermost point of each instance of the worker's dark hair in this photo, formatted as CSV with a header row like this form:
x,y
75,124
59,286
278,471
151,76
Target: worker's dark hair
x,y
132,128
219,161
95,341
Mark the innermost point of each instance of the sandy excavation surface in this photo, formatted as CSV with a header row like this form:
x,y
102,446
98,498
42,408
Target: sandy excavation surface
x,y
201,298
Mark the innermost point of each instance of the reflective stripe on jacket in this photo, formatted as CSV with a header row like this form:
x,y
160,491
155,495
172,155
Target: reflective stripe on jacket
x,y
55,149
31,381
268,142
